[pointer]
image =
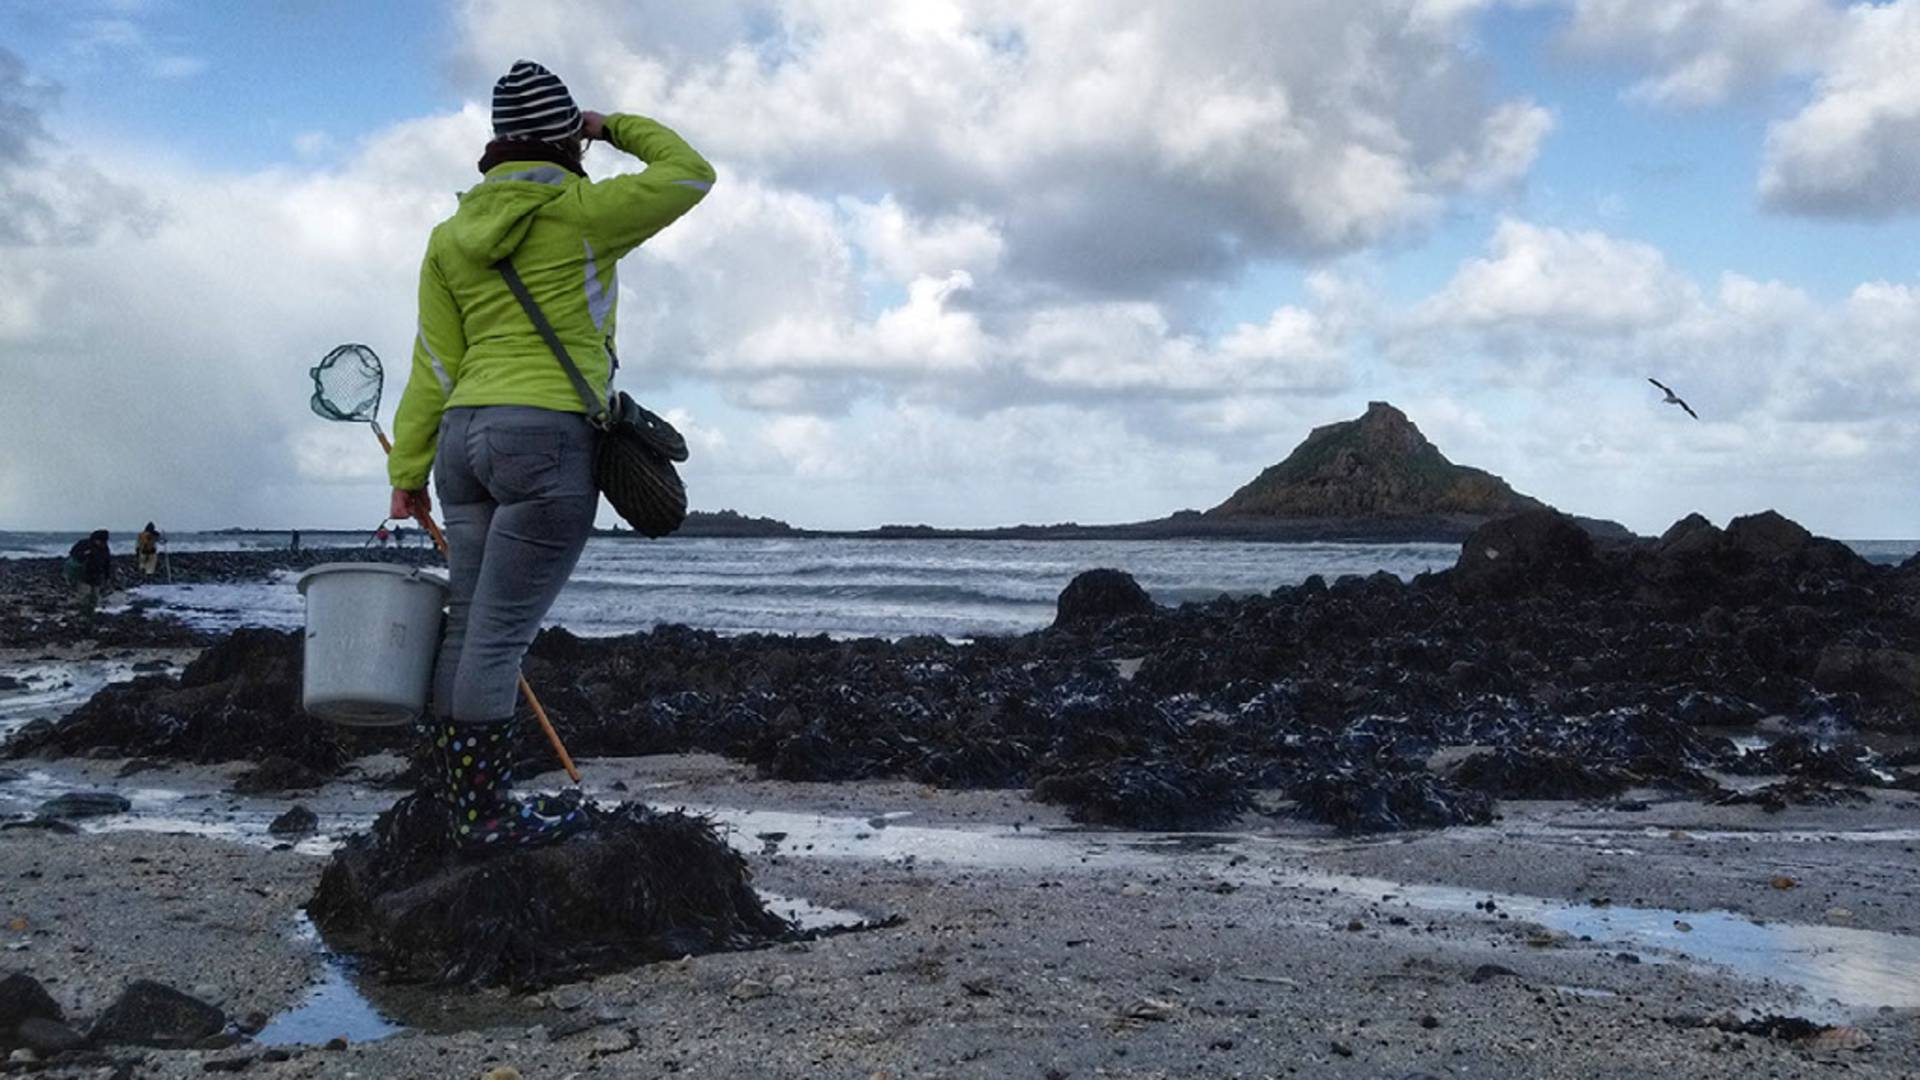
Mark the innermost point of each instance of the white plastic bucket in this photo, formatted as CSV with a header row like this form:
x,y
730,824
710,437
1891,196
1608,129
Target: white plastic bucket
x,y
372,632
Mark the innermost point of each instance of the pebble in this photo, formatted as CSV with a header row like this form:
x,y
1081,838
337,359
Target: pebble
x,y
783,983
501,1072
615,1041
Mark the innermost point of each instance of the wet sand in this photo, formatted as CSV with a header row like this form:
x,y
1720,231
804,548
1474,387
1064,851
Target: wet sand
x,y
1031,947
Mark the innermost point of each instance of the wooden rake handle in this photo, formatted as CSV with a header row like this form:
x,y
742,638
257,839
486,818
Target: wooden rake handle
x,y
526,689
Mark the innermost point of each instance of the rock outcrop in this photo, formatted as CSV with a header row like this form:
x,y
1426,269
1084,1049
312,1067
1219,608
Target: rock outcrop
x,y
640,886
1099,595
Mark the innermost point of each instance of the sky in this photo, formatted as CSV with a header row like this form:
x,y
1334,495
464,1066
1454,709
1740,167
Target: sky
x,y
984,263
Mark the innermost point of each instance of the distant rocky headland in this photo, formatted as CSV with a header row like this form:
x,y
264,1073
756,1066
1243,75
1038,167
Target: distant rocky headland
x,y
1372,478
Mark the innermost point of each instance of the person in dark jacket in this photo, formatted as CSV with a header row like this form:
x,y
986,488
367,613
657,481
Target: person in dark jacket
x,y
89,569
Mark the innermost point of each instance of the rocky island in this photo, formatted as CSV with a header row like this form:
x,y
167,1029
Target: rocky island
x,y
1374,478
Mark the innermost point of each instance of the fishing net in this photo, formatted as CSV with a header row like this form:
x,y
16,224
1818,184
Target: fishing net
x,y
346,384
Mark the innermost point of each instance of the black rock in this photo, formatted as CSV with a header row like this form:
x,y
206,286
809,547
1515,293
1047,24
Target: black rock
x,y
23,998
47,1037
48,825
278,773
1525,552
1096,596
148,1013
298,821
8,682
79,804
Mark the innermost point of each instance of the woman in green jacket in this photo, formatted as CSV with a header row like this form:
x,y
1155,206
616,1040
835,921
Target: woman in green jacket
x,y
489,411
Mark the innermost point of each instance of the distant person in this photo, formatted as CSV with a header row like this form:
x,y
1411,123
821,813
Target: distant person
x,y
293,540
381,536
399,536
146,547
493,416
89,570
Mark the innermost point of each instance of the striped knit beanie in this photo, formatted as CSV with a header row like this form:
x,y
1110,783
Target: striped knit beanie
x,y
530,103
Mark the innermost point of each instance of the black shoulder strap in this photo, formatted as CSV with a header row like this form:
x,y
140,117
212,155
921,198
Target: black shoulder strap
x,y
595,410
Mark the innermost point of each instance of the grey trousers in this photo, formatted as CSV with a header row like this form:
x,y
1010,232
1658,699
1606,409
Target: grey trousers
x,y
516,489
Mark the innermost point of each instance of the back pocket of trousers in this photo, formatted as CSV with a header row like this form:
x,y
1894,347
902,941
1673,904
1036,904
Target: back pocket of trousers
x,y
523,463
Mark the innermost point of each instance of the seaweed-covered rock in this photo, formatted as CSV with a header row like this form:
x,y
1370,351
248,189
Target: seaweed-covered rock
x,y
238,700
1584,667
1889,675
1532,774
1798,791
278,773
1378,801
1099,595
642,885
1148,795
80,804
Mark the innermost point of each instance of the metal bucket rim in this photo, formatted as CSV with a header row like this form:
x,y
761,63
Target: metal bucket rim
x,y
419,574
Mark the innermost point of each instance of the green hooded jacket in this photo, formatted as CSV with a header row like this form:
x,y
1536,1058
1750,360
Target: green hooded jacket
x,y
475,344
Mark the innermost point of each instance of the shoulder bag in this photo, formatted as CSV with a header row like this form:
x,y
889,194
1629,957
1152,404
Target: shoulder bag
x,y
633,464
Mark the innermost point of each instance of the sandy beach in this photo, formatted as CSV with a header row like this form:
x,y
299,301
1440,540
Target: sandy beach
x,y
1566,941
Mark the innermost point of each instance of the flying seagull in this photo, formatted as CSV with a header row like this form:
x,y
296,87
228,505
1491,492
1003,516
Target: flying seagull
x,y
1673,398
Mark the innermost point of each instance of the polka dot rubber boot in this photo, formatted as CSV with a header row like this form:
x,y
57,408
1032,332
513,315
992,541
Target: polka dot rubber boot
x,y
479,773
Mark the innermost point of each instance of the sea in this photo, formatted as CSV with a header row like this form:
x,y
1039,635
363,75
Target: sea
x,y
958,589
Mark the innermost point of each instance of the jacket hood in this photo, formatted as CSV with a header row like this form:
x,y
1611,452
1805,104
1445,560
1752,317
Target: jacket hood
x,y
494,216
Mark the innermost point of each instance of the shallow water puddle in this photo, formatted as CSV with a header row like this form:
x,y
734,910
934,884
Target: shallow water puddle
x,y
1854,969
331,1008
340,1005
54,688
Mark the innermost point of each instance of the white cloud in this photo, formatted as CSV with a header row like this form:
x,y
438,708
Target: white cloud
x,y
1704,51
903,247
1114,146
1581,283
1854,150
